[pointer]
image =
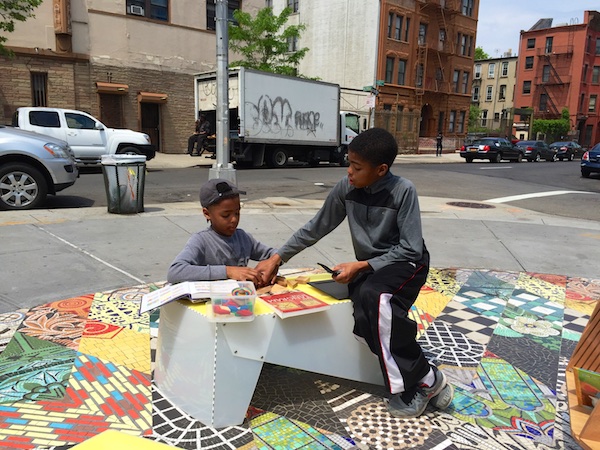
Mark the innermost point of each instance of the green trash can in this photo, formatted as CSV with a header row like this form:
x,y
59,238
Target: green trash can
x,y
124,178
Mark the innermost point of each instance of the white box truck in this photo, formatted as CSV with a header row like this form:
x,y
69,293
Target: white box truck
x,y
273,118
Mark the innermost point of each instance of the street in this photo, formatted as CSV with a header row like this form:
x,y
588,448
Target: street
x,y
566,192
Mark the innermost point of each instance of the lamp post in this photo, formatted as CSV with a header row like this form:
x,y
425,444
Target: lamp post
x,y
222,168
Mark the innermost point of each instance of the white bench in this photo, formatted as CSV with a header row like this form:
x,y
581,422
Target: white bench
x,y
210,370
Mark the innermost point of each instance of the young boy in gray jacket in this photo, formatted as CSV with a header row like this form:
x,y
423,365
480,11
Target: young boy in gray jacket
x,y
391,266
221,251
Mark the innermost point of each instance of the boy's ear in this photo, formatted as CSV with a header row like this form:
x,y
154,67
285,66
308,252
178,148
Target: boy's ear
x,y
382,169
206,213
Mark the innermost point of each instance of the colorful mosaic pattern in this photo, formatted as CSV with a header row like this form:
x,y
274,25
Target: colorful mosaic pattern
x,y
74,368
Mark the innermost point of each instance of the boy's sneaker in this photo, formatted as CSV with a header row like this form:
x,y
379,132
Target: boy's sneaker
x,y
413,403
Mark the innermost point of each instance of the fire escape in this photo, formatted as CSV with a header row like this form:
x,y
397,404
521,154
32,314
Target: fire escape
x,y
551,84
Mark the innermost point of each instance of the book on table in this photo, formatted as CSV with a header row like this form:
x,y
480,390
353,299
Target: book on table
x,y
295,303
196,291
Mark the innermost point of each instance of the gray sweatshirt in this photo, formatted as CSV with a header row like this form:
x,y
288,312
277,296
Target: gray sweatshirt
x,y
207,253
384,220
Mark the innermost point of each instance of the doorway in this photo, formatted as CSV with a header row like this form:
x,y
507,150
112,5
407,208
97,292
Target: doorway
x,y
111,110
427,122
150,115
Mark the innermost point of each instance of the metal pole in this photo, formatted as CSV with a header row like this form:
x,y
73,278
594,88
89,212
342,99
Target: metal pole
x,y
222,168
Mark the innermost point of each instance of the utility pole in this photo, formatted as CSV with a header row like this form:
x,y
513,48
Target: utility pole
x,y
222,168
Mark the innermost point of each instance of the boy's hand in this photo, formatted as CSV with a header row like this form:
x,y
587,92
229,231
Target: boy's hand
x,y
347,271
267,269
244,274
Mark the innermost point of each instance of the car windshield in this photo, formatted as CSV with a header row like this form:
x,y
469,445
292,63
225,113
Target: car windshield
x,y
526,143
557,144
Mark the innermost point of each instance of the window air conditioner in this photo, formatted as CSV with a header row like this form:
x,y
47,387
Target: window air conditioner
x,y
137,10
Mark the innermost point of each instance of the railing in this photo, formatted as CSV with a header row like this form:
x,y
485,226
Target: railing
x,y
556,50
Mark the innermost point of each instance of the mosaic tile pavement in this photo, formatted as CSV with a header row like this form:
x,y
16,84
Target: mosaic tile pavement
x,y
74,368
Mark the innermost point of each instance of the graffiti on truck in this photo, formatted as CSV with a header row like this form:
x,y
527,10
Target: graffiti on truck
x,y
276,116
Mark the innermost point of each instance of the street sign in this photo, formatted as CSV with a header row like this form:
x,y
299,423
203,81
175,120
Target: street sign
x,y
380,82
367,88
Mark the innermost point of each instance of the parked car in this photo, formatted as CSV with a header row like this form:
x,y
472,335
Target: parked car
x,y
87,136
32,166
493,149
567,150
535,151
590,161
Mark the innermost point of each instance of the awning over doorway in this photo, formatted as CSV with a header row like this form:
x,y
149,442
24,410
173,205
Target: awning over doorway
x,y
152,97
111,88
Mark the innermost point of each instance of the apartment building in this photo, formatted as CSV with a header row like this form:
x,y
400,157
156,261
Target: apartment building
x,y
493,92
559,67
128,62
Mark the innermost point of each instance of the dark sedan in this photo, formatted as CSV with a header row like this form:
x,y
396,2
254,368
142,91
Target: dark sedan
x,y
535,151
590,161
491,148
567,150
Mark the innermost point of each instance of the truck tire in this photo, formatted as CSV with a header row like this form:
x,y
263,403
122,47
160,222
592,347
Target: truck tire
x,y
129,150
21,187
344,158
277,158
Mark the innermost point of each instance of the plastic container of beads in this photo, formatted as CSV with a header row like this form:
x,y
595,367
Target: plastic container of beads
x,y
231,301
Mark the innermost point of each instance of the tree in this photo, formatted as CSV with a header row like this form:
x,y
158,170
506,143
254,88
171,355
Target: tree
x,y
264,43
554,129
480,54
11,11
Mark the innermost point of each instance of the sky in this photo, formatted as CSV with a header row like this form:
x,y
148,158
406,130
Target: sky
x,y
500,21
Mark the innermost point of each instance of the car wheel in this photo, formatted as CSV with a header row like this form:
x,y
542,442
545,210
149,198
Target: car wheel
x,y
519,158
21,187
552,158
571,156
469,159
497,158
129,151
585,173
277,158
561,158
538,157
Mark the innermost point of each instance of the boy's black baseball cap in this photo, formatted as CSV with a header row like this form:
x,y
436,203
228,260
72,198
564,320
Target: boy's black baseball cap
x,y
217,189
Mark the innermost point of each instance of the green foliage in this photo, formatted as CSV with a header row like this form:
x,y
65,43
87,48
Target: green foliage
x,y
565,115
12,11
474,119
554,129
263,41
480,54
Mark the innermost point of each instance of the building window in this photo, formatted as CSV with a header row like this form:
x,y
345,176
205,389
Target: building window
x,y
484,117
531,43
401,72
543,102
389,69
491,70
465,82
292,44
496,117
398,29
463,44
467,7
588,135
502,92
475,96
504,69
529,62
451,121
526,87
455,78
596,75
477,71
268,3
546,73
151,9
422,33
584,74
419,80
406,33
592,104
549,41
581,102
390,23
598,46
460,126
293,5
489,93
211,23
39,89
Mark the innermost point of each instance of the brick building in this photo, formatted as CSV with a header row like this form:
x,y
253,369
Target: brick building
x,y
130,63
560,67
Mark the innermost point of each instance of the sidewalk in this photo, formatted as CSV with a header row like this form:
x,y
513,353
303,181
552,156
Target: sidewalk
x,y
72,280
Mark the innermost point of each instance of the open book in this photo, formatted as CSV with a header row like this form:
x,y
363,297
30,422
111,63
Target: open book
x,y
295,303
196,291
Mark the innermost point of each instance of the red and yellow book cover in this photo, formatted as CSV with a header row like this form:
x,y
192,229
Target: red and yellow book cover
x,y
294,303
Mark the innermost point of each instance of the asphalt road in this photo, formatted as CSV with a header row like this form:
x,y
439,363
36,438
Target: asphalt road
x,y
570,194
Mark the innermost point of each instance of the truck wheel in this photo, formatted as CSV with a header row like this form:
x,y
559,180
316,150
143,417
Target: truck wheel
x,y
129,151
277,158
21,187
344,162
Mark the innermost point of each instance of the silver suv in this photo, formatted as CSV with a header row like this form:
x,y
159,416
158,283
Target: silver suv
x,y
31,166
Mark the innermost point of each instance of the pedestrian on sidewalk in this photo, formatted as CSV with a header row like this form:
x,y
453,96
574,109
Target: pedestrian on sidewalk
x,y
391,266
199,137
438,144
